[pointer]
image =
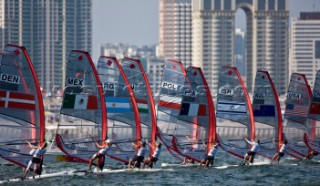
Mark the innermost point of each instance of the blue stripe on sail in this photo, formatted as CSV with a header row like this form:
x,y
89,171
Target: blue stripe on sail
x,y
117,100
231,112
231,103
118,110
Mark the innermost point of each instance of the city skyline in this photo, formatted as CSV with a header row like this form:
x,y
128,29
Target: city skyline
x,y
144,30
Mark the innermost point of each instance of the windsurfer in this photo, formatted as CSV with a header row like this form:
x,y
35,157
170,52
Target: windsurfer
x,y
37,153
248,158
154,158
209,159
104,148
137,159
310,155
278,155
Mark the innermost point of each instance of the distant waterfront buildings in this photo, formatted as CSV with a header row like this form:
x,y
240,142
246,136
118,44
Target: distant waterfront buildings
x,y
240,51
49,29
175,30
305,45
267,23
152,65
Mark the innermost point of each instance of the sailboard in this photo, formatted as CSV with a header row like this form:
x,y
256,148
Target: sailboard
x,y
124,125
83,116
21,106
234,113
139,82
43,176
313,140
296,112
186,116
267,115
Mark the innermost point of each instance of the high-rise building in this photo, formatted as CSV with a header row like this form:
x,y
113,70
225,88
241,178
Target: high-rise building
x,y
240,51
305,45
49,29
176,30
267,21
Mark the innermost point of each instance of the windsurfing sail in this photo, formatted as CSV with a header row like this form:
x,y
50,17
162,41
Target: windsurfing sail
x,y
124,125
186,116
21,106
139,82
169,104
234,113
297,107
313,140
267,114
83,116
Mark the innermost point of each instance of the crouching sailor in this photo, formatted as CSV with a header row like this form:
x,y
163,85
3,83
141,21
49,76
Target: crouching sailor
x,y
209,159
154,158
100,155
37,153
281,152
137,159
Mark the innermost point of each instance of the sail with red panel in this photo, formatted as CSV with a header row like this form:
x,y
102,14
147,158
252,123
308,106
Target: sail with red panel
x,y
186,116
21,106
139,82
296,112
122,112
314,115
267,114
170,98
234,113
83,116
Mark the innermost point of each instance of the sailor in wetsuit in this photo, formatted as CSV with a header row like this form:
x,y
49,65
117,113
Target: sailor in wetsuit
x,y
102,152
154,158
137,159
252,152
210,157
281,152
37,152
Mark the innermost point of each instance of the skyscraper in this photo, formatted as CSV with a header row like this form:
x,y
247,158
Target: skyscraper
x,y
49,29
305,45
266,38
176,30
240,51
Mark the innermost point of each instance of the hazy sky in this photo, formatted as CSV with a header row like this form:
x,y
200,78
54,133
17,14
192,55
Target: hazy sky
x,y
137,21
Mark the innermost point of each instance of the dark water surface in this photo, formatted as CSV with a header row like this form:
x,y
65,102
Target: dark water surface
x,y
288,172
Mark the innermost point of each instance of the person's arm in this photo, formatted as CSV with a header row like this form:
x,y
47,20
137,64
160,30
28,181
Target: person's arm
x,y
100,146
152,145
204,144
134,145
250,142
33,146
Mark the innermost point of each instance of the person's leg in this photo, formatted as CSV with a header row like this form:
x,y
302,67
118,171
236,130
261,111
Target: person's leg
x,y
27,169
206,165
245,158
129,164
91,162
34,170
146,161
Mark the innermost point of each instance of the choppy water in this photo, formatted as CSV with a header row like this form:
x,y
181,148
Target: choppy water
x,y
304,173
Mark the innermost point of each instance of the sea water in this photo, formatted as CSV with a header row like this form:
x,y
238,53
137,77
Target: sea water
x,y
231,172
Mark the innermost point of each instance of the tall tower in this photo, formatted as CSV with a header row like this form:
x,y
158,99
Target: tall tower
x,y
176,30
49,29
267,24
305,45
